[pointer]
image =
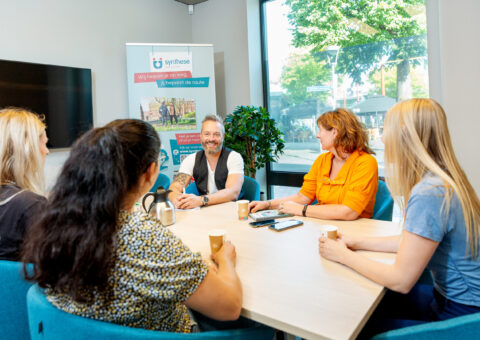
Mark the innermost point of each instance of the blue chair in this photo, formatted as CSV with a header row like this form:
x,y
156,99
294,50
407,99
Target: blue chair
x,y
48,322
250,189
383,209
162,180
462,327
192,189
13,301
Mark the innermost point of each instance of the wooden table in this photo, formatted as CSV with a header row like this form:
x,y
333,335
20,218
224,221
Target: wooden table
x,y
286,283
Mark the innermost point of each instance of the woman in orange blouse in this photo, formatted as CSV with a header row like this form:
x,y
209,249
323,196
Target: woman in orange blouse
x,y
343,181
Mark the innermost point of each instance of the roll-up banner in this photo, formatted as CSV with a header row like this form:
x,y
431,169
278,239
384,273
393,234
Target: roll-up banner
x,y
172,86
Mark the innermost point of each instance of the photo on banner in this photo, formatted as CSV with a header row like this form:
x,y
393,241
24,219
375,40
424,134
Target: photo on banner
x,y
168,114
172,87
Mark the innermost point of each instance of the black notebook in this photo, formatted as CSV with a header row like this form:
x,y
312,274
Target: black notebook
x,y
267,215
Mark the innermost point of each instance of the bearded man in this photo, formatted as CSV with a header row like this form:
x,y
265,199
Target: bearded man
x,y
217,171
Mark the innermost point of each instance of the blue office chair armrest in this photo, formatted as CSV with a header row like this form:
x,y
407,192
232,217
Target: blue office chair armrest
x,y
49,322
462,327
13,303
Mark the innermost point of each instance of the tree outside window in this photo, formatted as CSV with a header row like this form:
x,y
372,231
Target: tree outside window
x,y
380,58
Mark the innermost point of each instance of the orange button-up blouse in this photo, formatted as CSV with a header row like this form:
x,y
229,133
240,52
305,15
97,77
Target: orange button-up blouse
x,y
355,185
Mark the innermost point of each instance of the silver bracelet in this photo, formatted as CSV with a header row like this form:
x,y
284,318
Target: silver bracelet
x,y
269,205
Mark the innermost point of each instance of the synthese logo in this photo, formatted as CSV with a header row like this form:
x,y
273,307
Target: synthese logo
x,y
173,62
157,64
170,62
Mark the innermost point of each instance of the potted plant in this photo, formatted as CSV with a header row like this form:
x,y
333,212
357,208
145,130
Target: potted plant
x,y
251,132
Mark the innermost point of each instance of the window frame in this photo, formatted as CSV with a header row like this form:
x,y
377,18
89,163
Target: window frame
x,y
273,177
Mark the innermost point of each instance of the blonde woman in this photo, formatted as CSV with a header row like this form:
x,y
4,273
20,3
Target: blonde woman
x,y
23,147
441,231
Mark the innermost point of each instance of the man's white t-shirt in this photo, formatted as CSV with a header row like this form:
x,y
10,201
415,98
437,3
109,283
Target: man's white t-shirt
x,y
234,166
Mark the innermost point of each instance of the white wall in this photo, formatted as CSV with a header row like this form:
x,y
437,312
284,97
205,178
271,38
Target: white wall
x,y
90,34
455,76
224,23
233,27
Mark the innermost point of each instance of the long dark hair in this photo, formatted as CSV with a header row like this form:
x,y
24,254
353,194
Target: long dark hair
x,y
72,245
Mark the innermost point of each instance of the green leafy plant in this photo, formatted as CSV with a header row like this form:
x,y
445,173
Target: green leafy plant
x,y
251,132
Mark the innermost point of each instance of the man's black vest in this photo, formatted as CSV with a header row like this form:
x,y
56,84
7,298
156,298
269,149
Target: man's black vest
x,y
200,171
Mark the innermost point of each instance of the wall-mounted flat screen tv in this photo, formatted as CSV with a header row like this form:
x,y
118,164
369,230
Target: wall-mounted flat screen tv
x,y
62,94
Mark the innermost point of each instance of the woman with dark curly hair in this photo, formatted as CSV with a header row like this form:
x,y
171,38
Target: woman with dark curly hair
x,y
97,258
343,180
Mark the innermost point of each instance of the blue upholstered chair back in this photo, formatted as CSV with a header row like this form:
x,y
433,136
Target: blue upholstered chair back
x,y
13,301
49,322
383,209
250,189
162,180
462,327
192,189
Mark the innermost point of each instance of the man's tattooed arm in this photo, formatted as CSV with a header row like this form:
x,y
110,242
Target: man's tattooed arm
x,y
179,183
182,179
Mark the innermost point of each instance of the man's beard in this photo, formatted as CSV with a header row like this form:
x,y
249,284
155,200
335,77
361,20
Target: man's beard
x,y
217,149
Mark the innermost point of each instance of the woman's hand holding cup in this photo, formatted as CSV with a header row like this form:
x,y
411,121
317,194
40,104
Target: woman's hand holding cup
x,y
226,253
333,250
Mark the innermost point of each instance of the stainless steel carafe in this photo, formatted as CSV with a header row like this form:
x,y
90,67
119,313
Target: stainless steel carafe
x,y
161,208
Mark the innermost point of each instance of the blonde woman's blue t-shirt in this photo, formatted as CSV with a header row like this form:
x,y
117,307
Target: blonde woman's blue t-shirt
x,y
456,274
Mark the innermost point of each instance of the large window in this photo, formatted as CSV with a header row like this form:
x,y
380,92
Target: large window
x,y
321,54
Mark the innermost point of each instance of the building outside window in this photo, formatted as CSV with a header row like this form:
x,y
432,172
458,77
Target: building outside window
x,y
322,54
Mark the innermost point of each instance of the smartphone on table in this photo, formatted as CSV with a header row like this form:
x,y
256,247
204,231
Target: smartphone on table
x,y
262,223
279,226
